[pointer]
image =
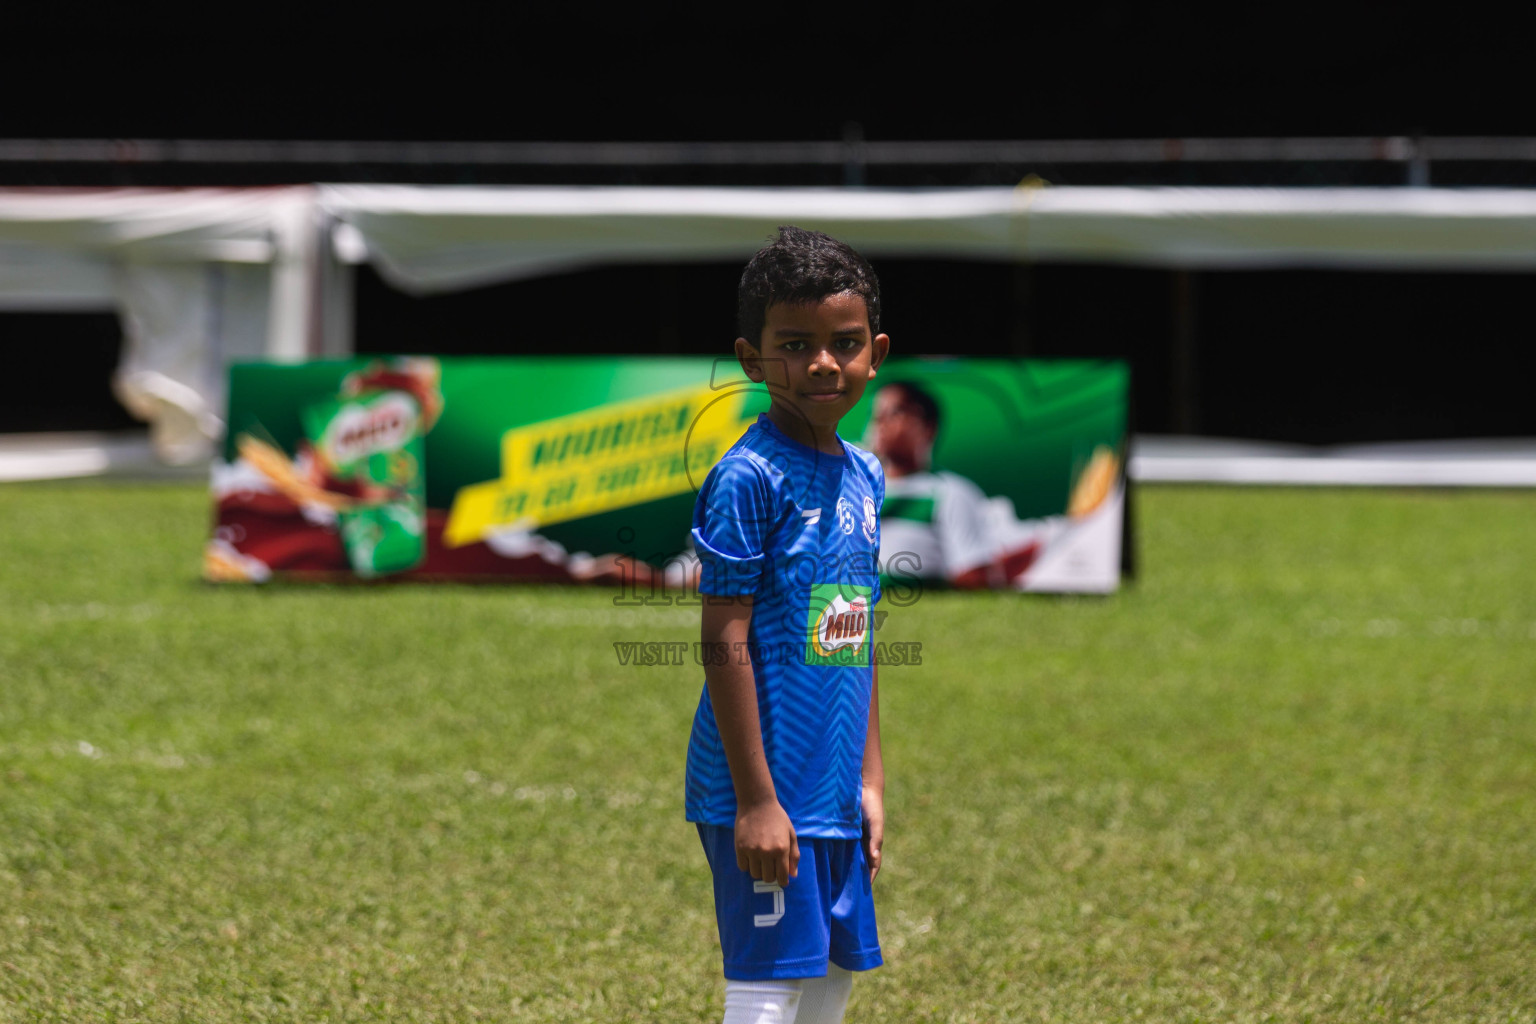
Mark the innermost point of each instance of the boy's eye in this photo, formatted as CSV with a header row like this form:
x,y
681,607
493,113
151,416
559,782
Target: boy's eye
x,y
848,344
793,345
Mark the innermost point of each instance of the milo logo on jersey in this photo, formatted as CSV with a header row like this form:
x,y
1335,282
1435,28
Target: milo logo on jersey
x,y
837,624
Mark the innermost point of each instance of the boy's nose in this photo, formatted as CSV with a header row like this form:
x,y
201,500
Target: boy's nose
x,y
824,362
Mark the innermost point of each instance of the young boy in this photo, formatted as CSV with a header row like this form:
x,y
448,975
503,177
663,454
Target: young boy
x,y
784,776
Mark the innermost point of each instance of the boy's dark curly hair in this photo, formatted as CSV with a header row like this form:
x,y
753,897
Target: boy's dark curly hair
x,y
802,266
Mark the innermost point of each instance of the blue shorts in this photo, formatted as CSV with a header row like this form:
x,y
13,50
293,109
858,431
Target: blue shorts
x,y
827,912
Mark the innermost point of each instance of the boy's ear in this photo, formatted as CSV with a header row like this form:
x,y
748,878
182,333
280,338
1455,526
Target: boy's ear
x,y
882,348
750,359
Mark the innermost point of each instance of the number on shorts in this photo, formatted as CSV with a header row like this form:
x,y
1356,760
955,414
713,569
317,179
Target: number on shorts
x,y
769,920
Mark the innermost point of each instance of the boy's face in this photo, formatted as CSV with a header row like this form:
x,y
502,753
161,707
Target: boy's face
x,y
816,358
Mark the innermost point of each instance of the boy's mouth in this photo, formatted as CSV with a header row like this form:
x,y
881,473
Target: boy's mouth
x,y
822,396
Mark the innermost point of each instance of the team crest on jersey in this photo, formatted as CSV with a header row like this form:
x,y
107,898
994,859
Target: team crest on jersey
x,y
837,625
870,520
845,516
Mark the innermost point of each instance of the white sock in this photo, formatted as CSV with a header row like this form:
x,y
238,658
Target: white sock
x,y
761,1002
823,1000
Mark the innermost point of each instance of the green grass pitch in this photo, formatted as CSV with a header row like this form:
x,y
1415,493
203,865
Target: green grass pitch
x,y
1289,775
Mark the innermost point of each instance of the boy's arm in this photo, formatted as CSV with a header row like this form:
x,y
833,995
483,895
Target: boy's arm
x,y
766,847
874,778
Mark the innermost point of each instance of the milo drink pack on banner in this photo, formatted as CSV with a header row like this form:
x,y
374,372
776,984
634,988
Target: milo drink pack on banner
x,y
371,444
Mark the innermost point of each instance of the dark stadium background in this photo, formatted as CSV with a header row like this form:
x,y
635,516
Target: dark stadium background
x,y
1307,356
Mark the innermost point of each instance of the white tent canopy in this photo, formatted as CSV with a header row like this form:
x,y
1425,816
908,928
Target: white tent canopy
x,y
443,238
199,277
203,276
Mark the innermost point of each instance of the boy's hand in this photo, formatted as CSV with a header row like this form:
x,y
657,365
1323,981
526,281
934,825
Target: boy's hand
x,y
766,847
874,828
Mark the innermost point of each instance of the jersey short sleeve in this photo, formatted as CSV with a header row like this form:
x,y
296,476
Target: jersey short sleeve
x,y
731,522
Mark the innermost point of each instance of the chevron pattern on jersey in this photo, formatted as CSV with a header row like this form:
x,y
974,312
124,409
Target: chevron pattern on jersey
x,y
757,532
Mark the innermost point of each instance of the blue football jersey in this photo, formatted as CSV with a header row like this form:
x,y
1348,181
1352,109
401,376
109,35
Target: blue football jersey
x,y
799,530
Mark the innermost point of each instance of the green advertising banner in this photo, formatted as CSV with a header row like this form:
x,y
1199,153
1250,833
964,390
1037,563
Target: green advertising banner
x,y
999,473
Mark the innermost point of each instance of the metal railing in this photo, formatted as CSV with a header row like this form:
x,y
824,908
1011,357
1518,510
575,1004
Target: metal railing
x,y
853,153
1398,149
